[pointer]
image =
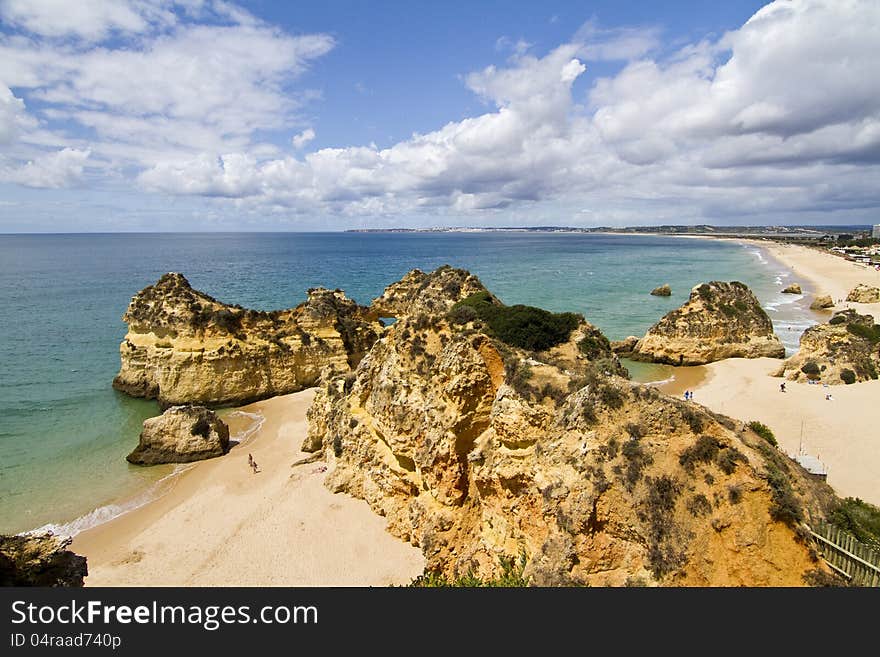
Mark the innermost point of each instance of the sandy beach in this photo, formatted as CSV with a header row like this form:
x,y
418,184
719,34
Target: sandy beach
x,y
841,432
223,525
827,273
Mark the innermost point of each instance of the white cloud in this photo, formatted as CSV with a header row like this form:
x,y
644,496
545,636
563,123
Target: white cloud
x,y
778,118
51,171
11,114
205,77
617,44
92,20
303,138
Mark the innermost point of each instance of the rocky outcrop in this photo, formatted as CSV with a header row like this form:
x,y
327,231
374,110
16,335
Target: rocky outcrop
x,y
662,291
184,346
794,288
477,451
862,293
433,293
180,435
624,347
40,560
846,349
822,303
720,320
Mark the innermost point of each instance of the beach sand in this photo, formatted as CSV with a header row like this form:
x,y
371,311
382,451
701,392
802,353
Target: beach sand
x,y
223,525
843,432
829,274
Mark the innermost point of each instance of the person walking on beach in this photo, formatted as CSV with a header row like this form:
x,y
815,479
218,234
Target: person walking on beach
x,y
782,387
250,460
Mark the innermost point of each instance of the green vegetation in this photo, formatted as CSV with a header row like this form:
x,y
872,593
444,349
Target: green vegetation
x,y
521,326
595,345
871,333
848,376
699,505
709,450
512,570
764,431
785,506
666,549
860,519
837,319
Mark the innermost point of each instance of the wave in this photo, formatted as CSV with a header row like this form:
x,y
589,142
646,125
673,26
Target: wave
x,y
109,512
156,490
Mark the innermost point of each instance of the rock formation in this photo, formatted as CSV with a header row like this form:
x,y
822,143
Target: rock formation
x,y
40,560
720,320
794,288
846,349
862,293
478,450
624,347
180,435
418,292
183,346
822,303
662,291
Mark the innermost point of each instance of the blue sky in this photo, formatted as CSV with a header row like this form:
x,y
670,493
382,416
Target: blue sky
x,y
212,115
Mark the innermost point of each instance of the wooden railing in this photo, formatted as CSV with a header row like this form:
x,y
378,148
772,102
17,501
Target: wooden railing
x,y
850,558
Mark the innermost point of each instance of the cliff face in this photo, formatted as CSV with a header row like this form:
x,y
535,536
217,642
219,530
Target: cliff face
x,y
28,560
183,346
846,349
720,320
476,450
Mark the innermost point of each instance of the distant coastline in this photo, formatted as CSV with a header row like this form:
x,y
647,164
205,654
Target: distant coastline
x,y
808,233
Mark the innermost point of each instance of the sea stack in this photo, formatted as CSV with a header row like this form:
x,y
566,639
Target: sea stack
x,y
180,435
720,320
794,288
822,303
662,291
185,347
844,350
480,451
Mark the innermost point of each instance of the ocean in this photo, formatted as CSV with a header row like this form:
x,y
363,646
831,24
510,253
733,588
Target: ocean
x,y
64,432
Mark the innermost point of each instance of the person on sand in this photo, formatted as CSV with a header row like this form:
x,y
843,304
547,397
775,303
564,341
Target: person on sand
x,y
782,387
250,460
255,467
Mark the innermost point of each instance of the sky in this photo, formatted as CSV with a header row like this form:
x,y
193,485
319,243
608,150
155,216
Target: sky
x,y
124,115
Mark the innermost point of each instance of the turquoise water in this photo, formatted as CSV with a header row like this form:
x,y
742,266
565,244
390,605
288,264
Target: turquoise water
x,y
64,432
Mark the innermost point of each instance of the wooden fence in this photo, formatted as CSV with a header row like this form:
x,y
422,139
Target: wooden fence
x,y
855,561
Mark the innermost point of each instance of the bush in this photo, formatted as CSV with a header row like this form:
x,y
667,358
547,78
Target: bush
x,y
521,326
858,518
837,319
734,494
512,570
593,346
703,451
462,314
764,431
785,506
848,376
699,505
728,458
871,333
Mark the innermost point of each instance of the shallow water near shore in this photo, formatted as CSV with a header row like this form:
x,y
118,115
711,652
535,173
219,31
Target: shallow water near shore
x,y
65,432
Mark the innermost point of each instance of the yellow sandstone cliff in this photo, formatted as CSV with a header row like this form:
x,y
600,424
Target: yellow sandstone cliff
x,y
183,346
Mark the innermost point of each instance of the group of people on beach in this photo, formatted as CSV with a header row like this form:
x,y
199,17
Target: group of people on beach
x,y
253,464
688,395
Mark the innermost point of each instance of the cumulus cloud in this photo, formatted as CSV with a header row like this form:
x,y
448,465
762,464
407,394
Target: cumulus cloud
x,y
51,171
203,76
303,138
11,114
778,118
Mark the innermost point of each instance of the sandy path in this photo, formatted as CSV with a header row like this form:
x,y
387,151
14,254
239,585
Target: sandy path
x,y
221,524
